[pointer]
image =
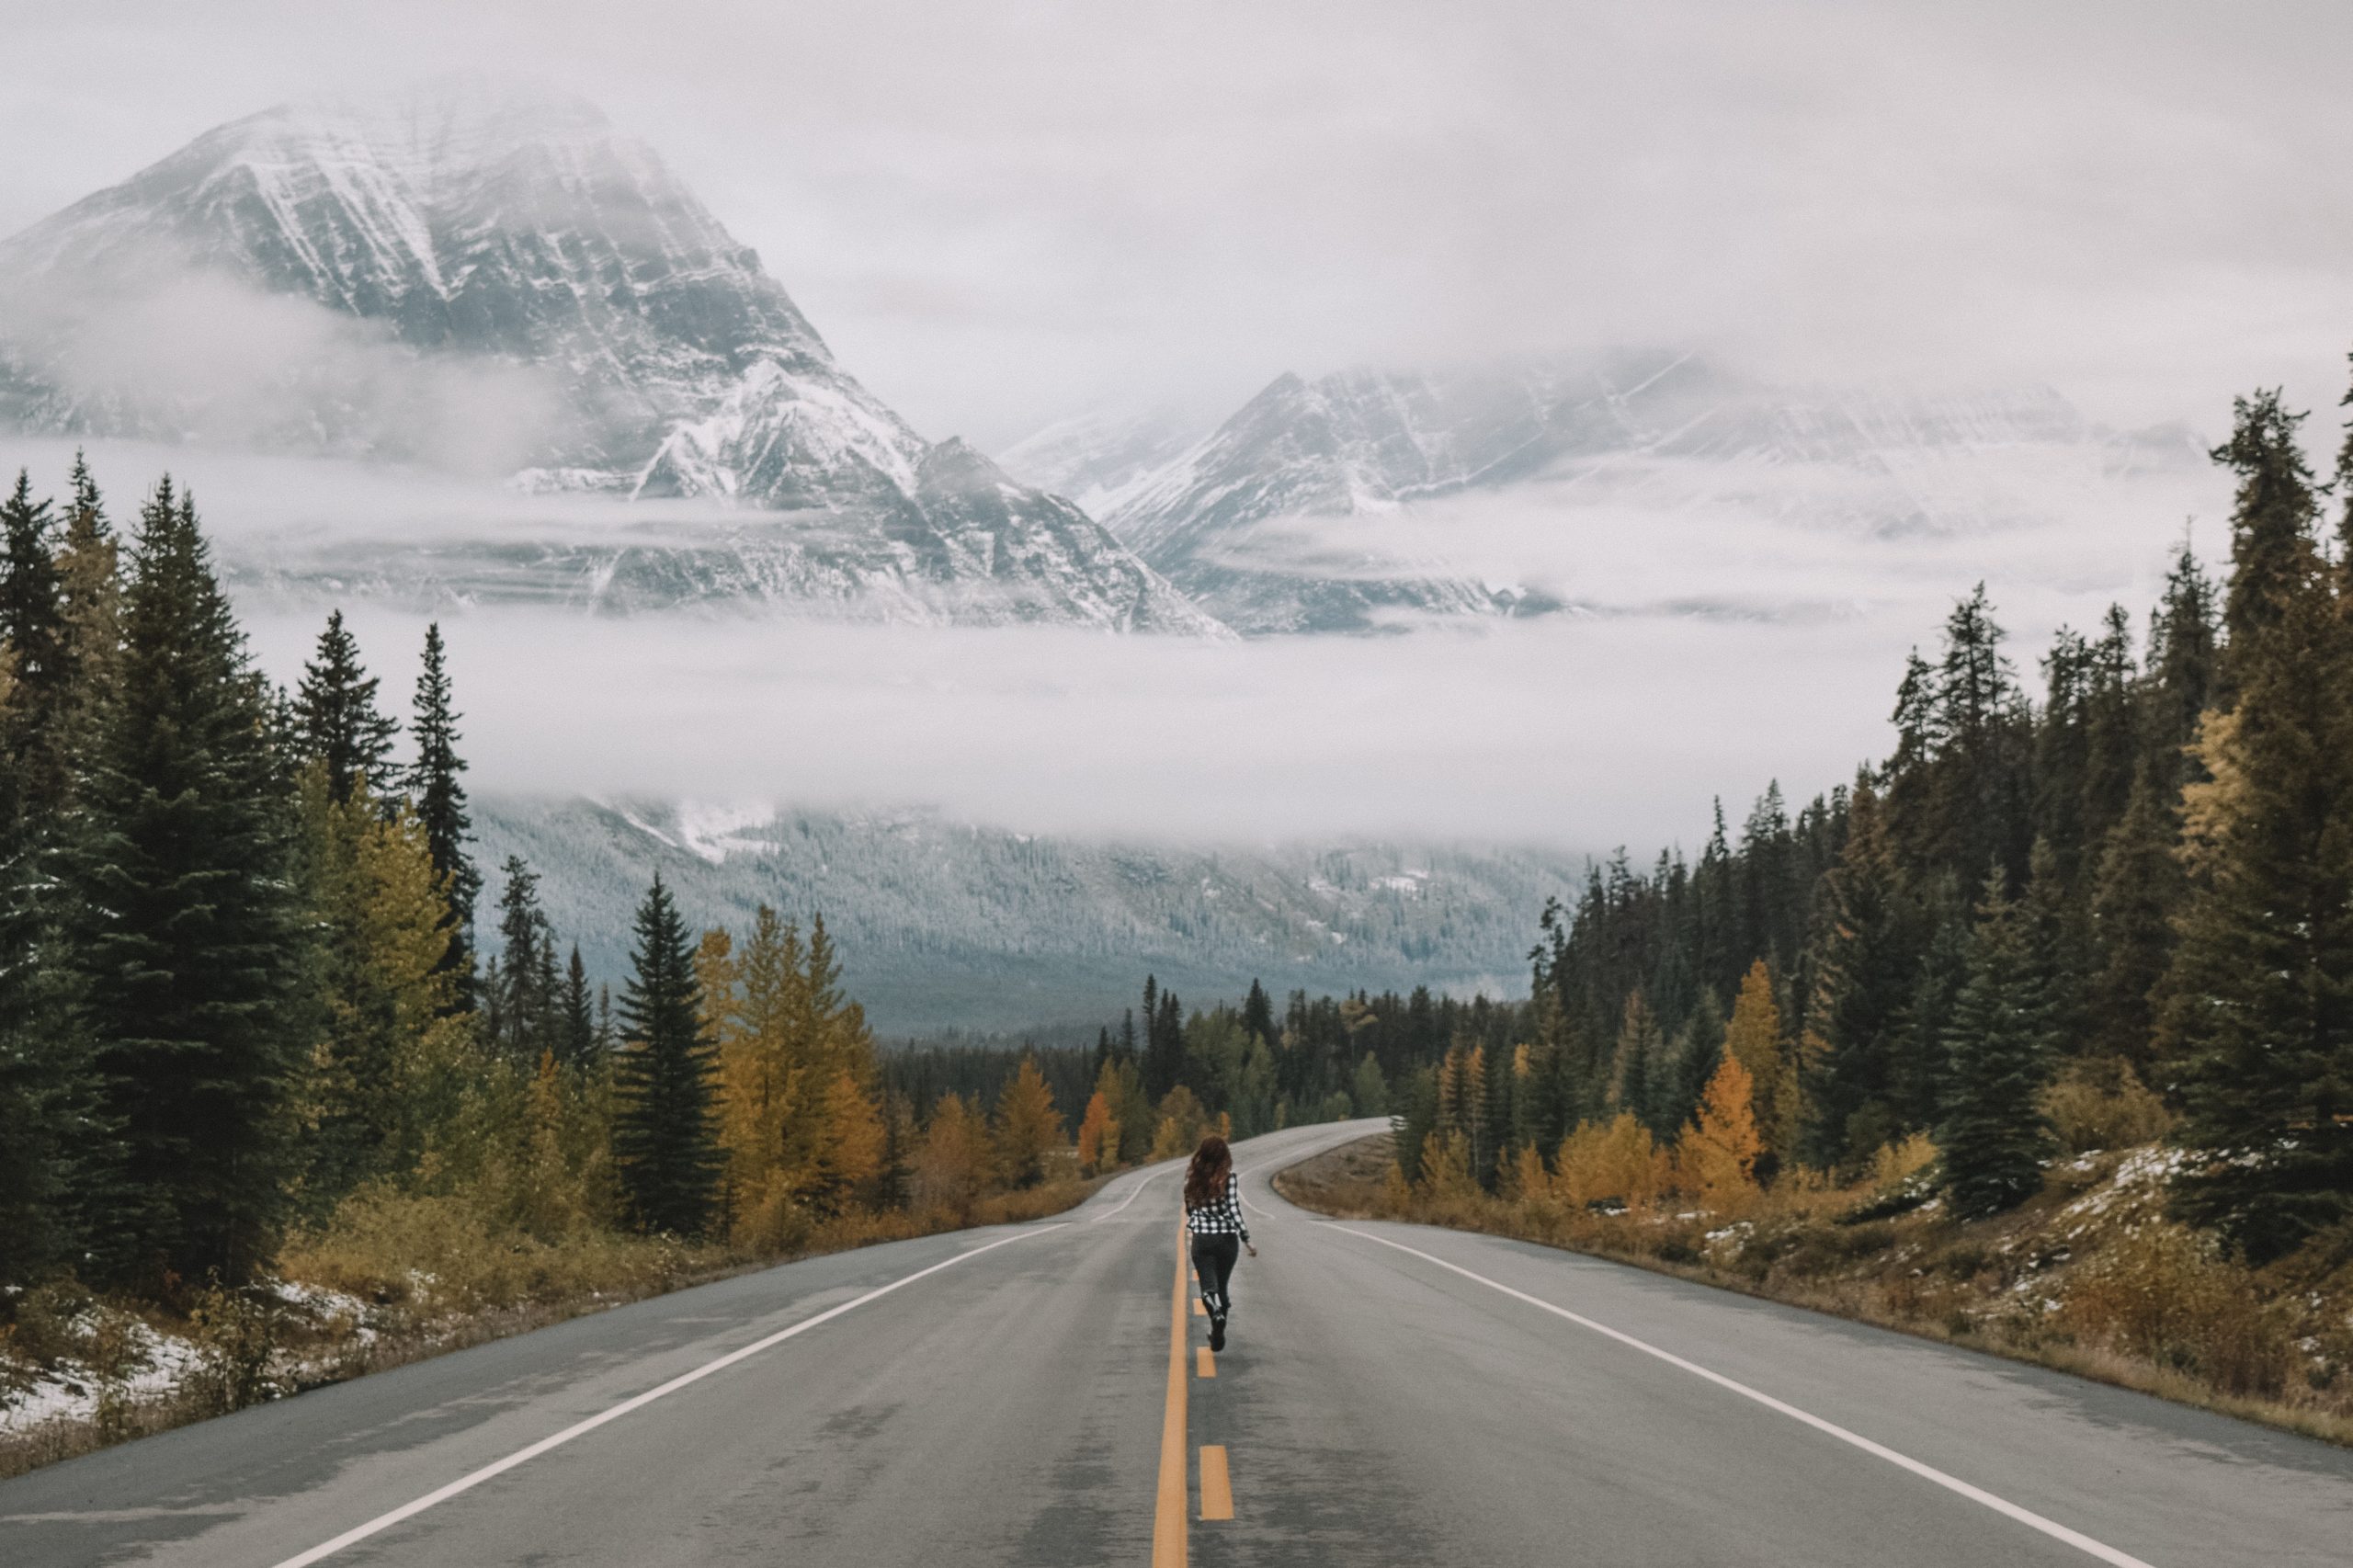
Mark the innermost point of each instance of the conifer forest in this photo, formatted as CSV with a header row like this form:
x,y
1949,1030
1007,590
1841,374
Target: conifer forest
x,y
257,1039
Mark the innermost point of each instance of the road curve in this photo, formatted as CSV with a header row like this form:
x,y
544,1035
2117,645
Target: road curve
x,y
1030,1395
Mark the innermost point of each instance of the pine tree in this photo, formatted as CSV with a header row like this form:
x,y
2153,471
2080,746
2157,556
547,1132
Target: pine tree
x,y
335,721
2138,888
2271,521
33,633
1641,1047
577,1018
1259,1013
2183,673
440,802
1865,956
1368,1090
1993,1134
2258,1028
523,1003
663,1134
184,929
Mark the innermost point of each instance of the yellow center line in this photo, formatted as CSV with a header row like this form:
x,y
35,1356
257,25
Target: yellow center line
x,y
1204,1364
1168,1521
1217,1489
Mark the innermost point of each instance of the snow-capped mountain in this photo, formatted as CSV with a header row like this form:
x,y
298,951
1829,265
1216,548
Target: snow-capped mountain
x,y
478,272
1289,517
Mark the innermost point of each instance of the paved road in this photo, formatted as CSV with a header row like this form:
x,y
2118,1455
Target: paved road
x,y
1034,1395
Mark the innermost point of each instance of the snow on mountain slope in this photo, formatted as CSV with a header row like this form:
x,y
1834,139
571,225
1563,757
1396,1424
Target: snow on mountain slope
x,y
943,924
1313,507
480,268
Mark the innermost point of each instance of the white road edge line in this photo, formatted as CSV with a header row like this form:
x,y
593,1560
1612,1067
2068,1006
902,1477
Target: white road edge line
x,y
467,1483
1130,1198
1323,1147
2027,1516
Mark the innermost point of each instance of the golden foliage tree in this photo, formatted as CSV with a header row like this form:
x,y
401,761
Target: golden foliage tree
x,y
952,1162
1029,1129
1616,1160
1754,1035
1182,1125
1098,1134
1715,1160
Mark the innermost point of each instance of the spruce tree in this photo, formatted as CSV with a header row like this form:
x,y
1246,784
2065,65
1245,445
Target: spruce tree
x,y
336,723
2257,1027
90,601
664,1133
1993,1134
2271,520
1865,956
2182,672
2137,889
33,641
577,1033
522,999
183,927
440,801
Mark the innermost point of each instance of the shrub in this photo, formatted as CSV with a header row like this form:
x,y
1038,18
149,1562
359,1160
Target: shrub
x,y
2164,1292
2104,1105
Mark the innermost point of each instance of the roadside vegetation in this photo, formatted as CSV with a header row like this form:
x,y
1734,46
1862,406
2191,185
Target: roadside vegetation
x,y
2039,1037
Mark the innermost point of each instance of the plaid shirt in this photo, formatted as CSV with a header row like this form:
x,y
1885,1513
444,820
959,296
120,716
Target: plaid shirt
x,y
1221,1216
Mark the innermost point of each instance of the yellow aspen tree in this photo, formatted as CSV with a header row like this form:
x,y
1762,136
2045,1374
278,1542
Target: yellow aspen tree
x,y
1527,1180
1097,1133
1716,1157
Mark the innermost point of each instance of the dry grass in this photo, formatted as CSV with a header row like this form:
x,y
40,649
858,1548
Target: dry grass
x,y
393,1280
2089,1277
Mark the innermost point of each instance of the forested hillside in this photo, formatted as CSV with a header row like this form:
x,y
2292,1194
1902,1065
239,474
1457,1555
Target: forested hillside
x,y
948,924
267,1091
2066,982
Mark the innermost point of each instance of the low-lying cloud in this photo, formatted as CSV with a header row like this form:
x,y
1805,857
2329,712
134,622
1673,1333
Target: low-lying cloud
x,y
1711,647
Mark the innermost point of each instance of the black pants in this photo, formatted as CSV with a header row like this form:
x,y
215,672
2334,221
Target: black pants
x,y
1213,1259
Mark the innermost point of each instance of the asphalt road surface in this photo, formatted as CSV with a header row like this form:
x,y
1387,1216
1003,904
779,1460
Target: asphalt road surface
x,y
1039,1394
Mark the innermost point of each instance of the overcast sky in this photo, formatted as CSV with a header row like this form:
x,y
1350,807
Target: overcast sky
x,y
1002,214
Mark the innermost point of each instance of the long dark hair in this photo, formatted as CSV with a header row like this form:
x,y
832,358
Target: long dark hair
x,y
1205,1177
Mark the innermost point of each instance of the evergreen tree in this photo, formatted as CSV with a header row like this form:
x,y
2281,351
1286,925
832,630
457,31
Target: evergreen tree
x,y
33,636
1640,1046
440,801
576,1031
2138,887
2183,666
1259,1013
1993,1134
184,929
523,1004
664,1139
335,721
1866,955
2258,1028
2271,520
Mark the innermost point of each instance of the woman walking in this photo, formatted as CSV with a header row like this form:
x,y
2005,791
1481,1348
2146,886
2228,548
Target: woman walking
x,y
1213,1213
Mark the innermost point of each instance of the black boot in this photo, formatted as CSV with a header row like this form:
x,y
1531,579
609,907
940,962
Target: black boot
x,y
1217,1331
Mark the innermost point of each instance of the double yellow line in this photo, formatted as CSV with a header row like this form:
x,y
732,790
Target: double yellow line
x,y
1169,1522
1168,1516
